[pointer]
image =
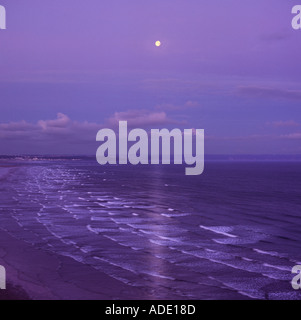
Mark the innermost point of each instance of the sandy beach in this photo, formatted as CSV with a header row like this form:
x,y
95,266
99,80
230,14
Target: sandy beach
x,y
41,275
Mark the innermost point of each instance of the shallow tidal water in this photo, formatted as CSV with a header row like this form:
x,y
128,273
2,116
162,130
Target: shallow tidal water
x,y
233,232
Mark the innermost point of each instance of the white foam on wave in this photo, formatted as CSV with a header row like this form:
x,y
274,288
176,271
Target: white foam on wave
x,y
89,227
155,274
154,233
247,259
98,219
132,269
281,268
87,249
164,242
124,267
98,230
220,230
142,207
73,205
175,215
268,253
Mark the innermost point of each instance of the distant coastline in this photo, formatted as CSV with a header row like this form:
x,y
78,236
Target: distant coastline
x,y
209,157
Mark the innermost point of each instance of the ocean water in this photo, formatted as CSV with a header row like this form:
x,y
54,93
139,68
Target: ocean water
x,y
233,232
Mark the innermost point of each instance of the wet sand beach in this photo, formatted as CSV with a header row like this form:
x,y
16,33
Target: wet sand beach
x,y
39,274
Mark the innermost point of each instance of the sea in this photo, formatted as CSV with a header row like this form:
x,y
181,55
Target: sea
x,y
234,231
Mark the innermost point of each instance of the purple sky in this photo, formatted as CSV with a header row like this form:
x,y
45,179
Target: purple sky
x,y
70,67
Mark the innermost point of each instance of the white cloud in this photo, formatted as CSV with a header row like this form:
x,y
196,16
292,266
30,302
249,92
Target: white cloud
x,y
142,118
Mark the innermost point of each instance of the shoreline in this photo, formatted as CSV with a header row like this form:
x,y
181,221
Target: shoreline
x,y
36,274
13,293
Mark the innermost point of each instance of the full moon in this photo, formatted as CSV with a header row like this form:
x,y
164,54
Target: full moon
x,y
158,43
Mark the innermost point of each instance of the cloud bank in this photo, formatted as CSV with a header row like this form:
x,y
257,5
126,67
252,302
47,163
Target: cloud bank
x,y
63,135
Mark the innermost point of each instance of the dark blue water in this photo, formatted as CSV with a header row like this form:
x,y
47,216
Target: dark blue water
x,y
234,231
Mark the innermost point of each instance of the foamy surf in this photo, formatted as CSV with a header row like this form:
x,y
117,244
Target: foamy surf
x,y
220,230
147,239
